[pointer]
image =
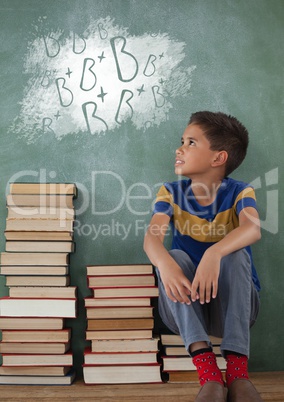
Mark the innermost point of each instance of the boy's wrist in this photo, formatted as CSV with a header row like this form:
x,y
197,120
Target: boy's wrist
x,y
214,251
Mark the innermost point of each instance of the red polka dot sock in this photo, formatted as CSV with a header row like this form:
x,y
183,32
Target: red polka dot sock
x,y
207,368
237,367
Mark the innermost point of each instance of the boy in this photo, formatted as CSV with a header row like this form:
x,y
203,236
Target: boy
x,y
207,282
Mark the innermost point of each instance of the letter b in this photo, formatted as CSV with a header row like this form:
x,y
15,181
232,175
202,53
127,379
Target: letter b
x,y
90,78
123,57
65,95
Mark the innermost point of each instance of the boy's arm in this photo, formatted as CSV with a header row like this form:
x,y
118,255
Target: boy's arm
x,y
177,286
207,273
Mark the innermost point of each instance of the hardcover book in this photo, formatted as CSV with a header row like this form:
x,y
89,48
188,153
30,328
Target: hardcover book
x,y
63,335
34,270
34,347
39,225
122,374
40,213
40,246
40,323
40,200
120,280
38,380
119,312
180,363
45,292
38,359
43,188
128,269
143,291
38,280
119,358
125,345
38,235
16,307
34,259
119,334
120,323
34,370
133,301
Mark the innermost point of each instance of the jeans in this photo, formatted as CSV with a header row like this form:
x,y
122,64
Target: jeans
x,y
229,316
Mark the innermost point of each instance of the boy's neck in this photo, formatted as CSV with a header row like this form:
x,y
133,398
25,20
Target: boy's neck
x,y
205,191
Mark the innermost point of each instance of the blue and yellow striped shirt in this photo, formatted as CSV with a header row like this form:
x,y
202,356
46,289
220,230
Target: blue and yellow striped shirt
x,y
195,227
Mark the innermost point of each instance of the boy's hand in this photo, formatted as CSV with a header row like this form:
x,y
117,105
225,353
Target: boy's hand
x,y
177,286
206,278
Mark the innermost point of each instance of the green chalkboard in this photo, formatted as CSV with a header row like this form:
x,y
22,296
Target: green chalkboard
x,y
98,92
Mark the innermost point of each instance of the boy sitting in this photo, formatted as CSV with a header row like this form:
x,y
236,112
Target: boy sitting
x,y
208,284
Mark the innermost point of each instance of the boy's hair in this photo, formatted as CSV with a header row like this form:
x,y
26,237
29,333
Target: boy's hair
x,y
225,133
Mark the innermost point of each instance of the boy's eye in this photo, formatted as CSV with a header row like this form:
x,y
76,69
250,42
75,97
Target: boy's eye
x,y
188,142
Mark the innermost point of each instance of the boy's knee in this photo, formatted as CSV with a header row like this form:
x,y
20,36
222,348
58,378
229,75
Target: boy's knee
x,y
240,257
240,260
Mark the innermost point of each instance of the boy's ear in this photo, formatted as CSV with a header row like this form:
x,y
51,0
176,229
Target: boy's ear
x,y
220,158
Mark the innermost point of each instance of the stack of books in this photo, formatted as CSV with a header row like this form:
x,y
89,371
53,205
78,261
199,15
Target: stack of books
x,y
35,344
176,362
120,326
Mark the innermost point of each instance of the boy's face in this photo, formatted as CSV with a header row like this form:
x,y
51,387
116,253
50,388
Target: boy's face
x,y
194,157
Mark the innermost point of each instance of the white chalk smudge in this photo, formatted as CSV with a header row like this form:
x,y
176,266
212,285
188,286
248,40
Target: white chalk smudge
x,y
97,81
